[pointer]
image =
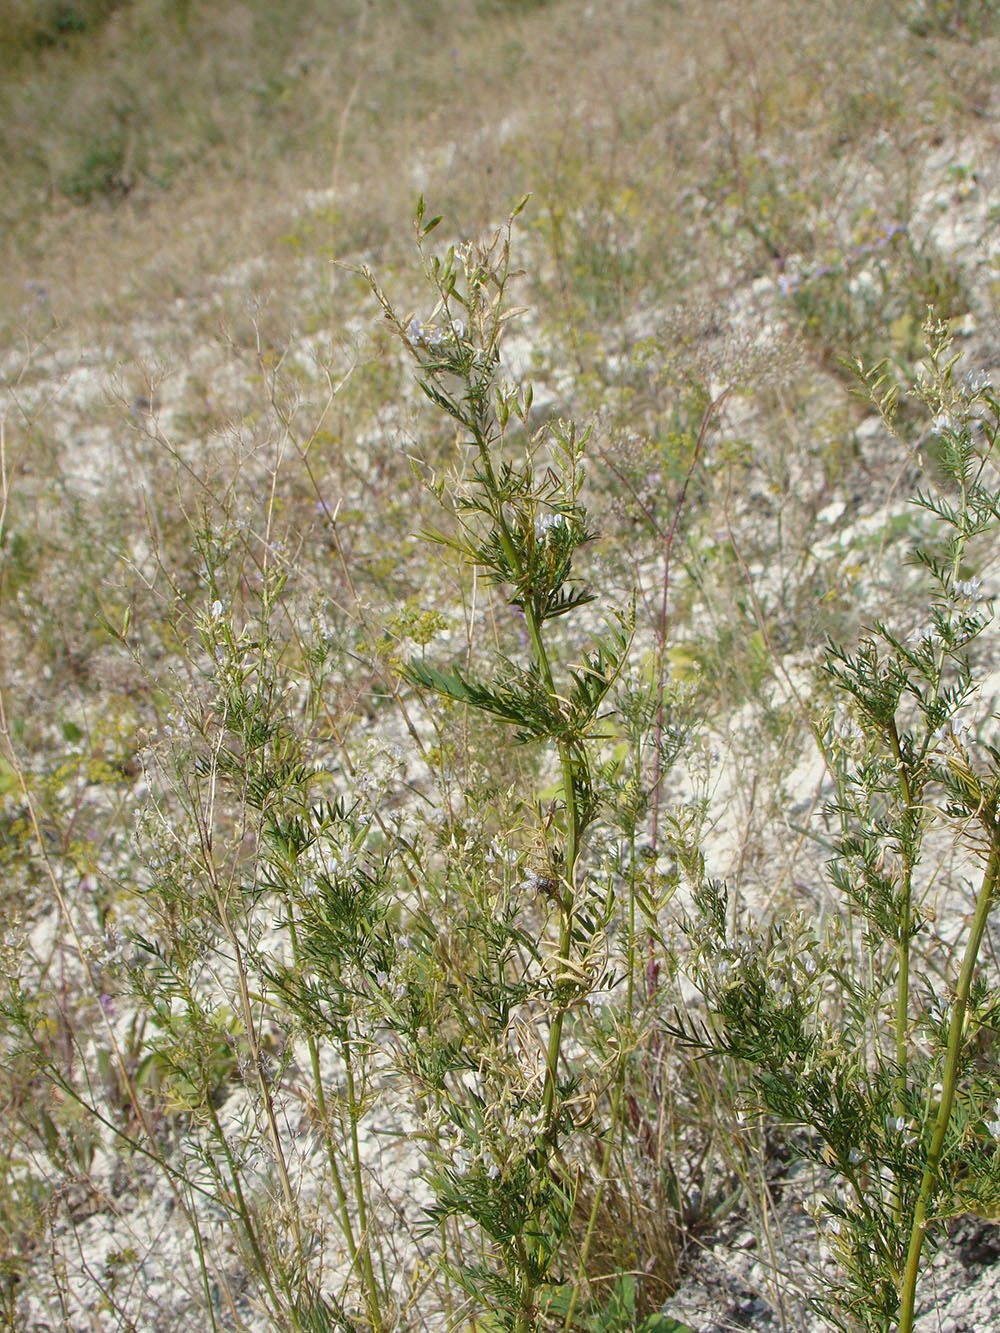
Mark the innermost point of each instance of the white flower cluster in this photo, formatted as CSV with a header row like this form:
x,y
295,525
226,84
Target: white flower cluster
x,y
331,862
975,383
846,729
393,993
957,729
972,387
499,854
901,1125
435,336
107,951
926,633
377,765
970,588
176,725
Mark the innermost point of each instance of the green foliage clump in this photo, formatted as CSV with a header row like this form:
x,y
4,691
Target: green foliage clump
x,y
877,1064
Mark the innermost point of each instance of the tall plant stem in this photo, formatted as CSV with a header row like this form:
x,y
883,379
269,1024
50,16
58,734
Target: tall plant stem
x,y
359,1187
581,1268
567,763
526,1318
905,928
360,1254
545,1143
616,1108
985,901
256,1055
246,1217
919,1225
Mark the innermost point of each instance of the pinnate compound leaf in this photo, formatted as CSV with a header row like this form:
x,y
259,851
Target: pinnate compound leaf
x,y
521,700
600,669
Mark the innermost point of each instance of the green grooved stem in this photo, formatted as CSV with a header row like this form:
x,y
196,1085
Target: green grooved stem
x,y
918,1229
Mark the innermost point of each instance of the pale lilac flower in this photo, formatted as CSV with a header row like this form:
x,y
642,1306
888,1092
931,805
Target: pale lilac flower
x,y
462,1159
975,382
956,729
497,852
926,633
434,336
971,588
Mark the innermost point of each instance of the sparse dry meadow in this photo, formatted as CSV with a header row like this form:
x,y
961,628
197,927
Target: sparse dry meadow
x,y
499,738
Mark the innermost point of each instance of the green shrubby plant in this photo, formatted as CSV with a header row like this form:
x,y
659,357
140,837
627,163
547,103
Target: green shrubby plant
x,y
251,843
881,286
857,278
877,1061
27,28
543,920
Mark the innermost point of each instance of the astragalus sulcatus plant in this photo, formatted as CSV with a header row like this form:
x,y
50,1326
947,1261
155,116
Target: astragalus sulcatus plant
x,y
491,1031
876,1040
